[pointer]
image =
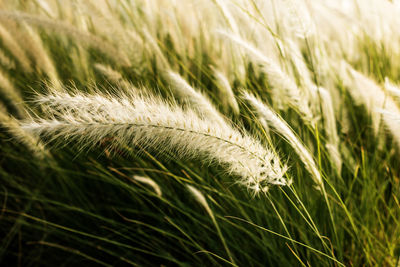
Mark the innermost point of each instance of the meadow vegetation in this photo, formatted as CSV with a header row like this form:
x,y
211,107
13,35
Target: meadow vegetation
x,y
199,133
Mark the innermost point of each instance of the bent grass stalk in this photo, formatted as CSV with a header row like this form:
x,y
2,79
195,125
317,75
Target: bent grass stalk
x,y
287,238
281,126
202,201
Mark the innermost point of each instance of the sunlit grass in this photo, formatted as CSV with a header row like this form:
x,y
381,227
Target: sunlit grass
x,y
178,119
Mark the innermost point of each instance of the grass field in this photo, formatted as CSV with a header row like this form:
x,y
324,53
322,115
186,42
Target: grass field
x,y
199,133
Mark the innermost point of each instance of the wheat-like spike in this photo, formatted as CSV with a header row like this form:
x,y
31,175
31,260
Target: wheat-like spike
x,y
197,101
150,122
150,182
283,128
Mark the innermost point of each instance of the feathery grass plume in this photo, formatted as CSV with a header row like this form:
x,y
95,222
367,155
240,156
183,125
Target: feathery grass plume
x,y
161,59
41,56
80,58
391,117
264,124
46,8
83,37
392,88
303,74
108,23
109,72
330,127
15,49
375,99
197,100
293,52
202,201
348,157
284,88
113,76
225,92
149,182
31,142
150,122
11,95
227,15
299,18
283,128
5,61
